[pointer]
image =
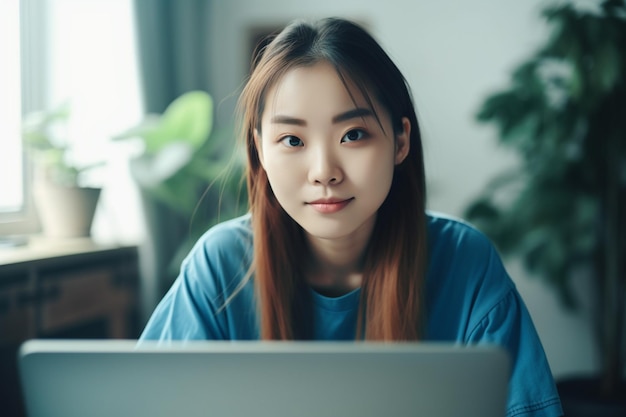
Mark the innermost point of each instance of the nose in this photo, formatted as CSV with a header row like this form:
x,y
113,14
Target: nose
x,y
325,168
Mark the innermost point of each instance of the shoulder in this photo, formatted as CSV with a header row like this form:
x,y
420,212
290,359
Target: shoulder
x,y
223,252
213,270
233,230
228,237
451,227
456,247
466,277
448,234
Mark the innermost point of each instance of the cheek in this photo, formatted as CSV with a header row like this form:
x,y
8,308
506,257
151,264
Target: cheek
x,y
283,174
378,186
374,171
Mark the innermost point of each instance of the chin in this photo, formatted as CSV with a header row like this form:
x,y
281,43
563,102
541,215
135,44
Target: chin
x,y
329,228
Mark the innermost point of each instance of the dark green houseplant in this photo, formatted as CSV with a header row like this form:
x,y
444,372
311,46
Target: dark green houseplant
x,y
564,207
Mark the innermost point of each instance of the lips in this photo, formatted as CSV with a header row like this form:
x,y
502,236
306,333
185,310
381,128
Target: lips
x,y
331,205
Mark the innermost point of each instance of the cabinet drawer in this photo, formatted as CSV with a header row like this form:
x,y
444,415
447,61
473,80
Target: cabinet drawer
x,y
80,296
17,309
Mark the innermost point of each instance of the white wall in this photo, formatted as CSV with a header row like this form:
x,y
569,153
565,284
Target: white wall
x,y
452,53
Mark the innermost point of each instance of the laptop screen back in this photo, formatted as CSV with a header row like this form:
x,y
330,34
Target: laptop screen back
x,y
262,379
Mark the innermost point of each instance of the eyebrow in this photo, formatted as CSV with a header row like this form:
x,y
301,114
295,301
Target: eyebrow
x,y
359,112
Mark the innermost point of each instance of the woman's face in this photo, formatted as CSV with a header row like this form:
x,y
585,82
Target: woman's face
x,y
329,162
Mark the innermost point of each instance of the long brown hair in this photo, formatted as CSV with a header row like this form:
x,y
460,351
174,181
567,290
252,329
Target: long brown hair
x,y
393,275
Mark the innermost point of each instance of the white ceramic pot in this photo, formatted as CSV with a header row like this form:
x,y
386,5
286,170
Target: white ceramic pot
x,y
65,212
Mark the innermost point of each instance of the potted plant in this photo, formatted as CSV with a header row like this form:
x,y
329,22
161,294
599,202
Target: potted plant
x,y
189,177
64,204
564,207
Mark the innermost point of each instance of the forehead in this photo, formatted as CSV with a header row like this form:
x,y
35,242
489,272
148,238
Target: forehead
x,y
321,84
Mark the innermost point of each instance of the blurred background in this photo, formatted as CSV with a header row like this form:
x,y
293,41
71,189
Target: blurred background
x,y
117,64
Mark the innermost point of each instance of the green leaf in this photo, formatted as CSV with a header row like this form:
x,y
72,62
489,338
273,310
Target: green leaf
x,y
188,118
607,69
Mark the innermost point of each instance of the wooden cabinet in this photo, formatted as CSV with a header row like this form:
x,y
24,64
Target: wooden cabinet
x,y
47,291
68,289
17,316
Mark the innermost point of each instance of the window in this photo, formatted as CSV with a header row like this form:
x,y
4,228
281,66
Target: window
x,y
12,196
16,210
75,51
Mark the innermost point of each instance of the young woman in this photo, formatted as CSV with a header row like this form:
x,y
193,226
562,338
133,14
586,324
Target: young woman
x,y
337,244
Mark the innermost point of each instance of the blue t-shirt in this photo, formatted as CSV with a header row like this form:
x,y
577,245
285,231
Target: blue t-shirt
x,y
469,297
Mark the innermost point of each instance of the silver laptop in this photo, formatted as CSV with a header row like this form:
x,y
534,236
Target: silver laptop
x,y
81,378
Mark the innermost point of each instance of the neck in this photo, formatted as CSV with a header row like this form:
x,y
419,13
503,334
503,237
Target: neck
x,y
335,266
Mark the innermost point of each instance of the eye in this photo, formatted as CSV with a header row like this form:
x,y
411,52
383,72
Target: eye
x,y
353,135
291,141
